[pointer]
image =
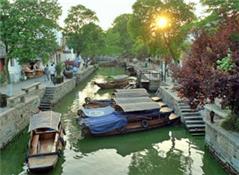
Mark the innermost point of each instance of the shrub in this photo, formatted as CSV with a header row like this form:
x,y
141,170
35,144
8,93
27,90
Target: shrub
x,y
59,69
231,122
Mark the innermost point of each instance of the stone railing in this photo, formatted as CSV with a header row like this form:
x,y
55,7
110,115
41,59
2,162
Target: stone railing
x,y
33,89
14,100
33,86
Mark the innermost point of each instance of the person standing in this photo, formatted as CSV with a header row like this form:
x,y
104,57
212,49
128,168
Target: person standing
x,y
47,73
52,70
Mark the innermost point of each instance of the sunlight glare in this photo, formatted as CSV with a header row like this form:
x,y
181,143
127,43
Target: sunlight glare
x,y
161,22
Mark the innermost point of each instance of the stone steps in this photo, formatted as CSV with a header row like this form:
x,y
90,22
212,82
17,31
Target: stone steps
x,y
190,114
45,103
194,122
193,119
195,126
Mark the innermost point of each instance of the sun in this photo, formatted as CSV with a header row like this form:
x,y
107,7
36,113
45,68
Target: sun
x,y
161,22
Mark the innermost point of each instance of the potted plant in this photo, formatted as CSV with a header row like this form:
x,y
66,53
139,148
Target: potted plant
x,y
68,73
59,77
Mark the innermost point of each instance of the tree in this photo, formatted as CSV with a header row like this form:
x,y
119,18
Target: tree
x,y
27,29
111,43
211,68
91,40
221,7
167,43
120,26
78,17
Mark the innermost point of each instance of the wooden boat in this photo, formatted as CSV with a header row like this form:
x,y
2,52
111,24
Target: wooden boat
x,y
119,81
133,117
46,141
124,96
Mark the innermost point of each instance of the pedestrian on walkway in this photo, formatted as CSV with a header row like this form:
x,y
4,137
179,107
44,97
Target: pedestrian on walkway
x,y
52,70
47,73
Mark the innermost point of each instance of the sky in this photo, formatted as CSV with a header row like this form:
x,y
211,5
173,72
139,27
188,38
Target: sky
x,y
108,10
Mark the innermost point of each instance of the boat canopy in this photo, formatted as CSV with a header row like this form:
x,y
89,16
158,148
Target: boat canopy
x,y
131,94
120,77
140,106
132,100
98,112
45,119
139,90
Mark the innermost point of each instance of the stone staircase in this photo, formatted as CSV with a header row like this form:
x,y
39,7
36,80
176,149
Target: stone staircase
x,y
45,104
193,119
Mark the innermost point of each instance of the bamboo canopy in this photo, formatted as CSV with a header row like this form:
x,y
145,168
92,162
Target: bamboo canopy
x,y
45,119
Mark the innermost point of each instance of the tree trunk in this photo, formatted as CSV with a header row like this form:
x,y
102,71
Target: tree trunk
x,y
6,76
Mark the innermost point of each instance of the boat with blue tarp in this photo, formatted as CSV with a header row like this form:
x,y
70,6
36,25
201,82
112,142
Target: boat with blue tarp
x,y
108,121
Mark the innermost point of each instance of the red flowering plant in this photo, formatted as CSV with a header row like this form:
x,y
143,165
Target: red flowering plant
x,y
211,69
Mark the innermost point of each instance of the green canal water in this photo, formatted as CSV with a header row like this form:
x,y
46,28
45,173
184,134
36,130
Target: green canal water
x,y
164,151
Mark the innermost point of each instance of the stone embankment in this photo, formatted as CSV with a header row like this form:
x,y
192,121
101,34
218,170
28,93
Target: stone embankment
x,y
15,117
223,144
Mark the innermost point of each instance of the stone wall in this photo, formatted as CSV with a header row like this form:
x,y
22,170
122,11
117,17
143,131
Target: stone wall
x,y
222,143
69,84
14,120
85,73
62,89
170,98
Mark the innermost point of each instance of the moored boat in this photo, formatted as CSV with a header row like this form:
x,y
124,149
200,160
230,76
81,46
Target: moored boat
x,y
119,81
109,121
46,141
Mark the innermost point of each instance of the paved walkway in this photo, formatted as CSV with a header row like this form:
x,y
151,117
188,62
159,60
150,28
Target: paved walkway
x,y
16,88
13,89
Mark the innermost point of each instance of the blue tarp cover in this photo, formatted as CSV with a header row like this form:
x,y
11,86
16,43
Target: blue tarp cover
x,y
104,124
98,112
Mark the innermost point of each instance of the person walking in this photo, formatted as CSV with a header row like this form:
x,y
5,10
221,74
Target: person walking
x,y
52,70
47,73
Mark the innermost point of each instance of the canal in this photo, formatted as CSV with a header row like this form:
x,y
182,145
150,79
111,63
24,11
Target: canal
x,y
165,151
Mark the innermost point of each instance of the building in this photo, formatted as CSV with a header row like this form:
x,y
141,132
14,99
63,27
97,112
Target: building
x,y
63,53
13,66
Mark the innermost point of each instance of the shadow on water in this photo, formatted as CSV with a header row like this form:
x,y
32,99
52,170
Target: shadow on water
x,y
164,151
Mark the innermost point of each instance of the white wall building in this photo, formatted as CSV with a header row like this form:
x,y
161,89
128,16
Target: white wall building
x,y
64,53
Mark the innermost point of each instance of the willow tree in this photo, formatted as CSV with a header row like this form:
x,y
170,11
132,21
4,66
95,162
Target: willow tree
x,y
27,29
78,17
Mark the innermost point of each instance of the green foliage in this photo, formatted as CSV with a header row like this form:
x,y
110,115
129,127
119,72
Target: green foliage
x,y
117,40
59,69
111,43
231,122
226,64
168,42
221,6
80,30
27,28
92,40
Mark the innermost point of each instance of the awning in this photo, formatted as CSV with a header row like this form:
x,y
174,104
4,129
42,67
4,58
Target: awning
x,y
45,119
140,106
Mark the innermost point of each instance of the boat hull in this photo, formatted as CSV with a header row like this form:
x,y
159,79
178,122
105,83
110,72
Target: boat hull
x,y
112,85
131,127
42,163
